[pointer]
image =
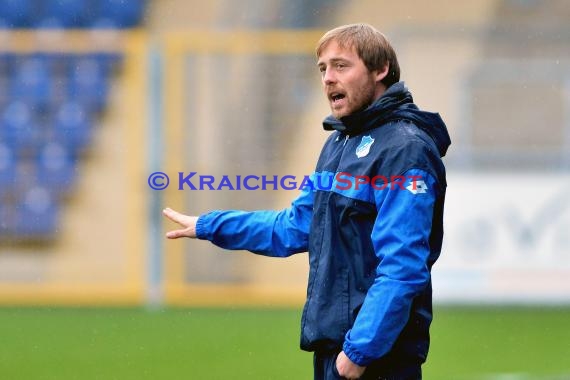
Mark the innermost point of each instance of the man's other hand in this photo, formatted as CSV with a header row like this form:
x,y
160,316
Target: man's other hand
x,y
347,368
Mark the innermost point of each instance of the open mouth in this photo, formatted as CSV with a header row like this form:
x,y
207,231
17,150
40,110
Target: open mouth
x,y
336,97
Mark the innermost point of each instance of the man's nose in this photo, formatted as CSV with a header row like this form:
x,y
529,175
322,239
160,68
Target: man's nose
x,y
329,77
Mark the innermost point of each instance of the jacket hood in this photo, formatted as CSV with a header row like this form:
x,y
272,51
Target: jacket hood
x,y
395,104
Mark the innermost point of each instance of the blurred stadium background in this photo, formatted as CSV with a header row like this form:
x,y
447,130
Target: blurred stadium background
x,y
95,95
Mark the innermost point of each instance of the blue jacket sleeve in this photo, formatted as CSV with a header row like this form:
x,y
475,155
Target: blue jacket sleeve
x,y
401,241
271,233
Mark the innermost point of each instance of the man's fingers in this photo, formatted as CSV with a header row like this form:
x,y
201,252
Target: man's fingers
x,y
173,215
175,234
187,222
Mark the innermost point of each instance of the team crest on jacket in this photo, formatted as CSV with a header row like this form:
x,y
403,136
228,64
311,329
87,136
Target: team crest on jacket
x,y
364,148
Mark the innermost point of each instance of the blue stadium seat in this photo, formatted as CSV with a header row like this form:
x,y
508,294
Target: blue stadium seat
x,y
49,23
18,127
31,82
6,219
36,214
119,13
68,13
16,13
108,61
4,93
71,13
72,127
7,170
56,169
58,63
88,83
6,64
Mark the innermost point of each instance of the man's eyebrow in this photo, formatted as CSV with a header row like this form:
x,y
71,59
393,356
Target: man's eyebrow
x,y
333,60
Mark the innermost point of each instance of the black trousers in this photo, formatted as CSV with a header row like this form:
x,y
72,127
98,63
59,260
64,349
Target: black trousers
x,y
325,369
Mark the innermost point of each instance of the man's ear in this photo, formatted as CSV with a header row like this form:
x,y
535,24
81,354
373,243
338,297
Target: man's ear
x,y
379,75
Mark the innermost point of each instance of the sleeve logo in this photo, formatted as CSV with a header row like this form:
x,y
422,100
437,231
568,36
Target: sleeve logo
x,y
417,187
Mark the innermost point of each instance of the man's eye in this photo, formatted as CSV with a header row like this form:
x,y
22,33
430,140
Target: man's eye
x,y
340,66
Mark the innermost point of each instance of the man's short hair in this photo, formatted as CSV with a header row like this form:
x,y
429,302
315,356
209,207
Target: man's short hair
x,y
370,45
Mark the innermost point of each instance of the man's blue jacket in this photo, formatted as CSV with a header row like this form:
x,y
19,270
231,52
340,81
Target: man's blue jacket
x,y
373,226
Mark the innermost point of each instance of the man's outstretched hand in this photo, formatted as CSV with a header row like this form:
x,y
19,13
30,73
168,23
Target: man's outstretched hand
x,y
188,224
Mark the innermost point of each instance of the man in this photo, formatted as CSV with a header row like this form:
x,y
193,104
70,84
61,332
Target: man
x,y
373,235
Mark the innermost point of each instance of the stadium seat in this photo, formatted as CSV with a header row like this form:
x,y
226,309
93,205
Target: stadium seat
x,y
109,62
55,169
4,93
7,170
48,23
31,81
72,127
36,214
16,13
18,128
68,13
71,13
6,219
119,13
6,64
88,83
58,63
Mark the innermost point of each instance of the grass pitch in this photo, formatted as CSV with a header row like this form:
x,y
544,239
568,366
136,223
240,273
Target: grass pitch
x,y
63,343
